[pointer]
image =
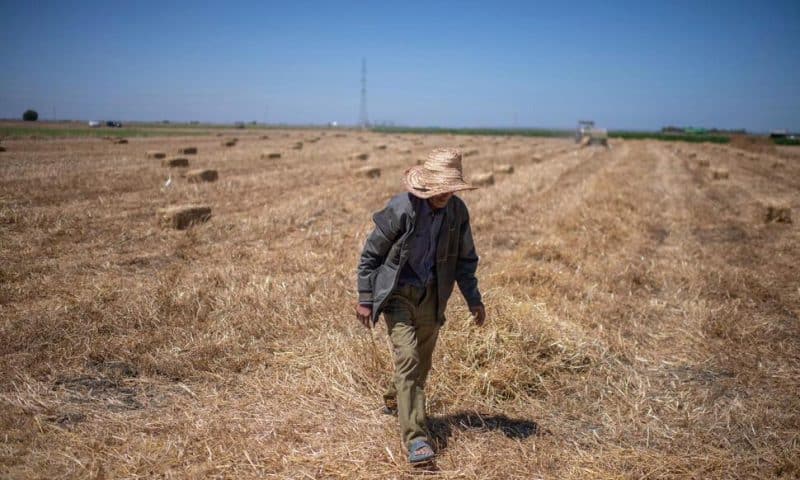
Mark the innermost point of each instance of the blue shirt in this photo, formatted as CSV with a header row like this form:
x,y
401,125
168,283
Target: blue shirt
x,y
419,270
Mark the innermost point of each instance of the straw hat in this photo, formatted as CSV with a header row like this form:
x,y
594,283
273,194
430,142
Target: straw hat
x,y
441,173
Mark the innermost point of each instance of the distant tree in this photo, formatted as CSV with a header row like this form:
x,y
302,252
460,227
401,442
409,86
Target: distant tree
x,y
30,116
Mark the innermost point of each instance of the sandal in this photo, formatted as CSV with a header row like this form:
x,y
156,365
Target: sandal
x,y
389,407
420,452
389,411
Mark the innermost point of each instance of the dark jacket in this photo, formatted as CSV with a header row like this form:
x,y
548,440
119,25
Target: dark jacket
x,y
386,252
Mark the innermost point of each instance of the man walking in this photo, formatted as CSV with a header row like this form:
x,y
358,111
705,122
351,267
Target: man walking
x,y
420,247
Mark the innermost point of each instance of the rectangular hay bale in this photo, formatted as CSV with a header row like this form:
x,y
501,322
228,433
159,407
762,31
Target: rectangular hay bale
x,y
719,173
482,179
181,217
504,168
360,156
270,155
778,214
175,162
368,172
187,151
155,154
202,175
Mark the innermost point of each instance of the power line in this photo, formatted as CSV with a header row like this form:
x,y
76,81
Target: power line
x,y
363,119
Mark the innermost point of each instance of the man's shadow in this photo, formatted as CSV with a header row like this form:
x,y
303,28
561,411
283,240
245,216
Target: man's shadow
x,y
441,428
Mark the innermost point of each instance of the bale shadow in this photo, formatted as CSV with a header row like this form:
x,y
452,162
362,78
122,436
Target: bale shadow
x,y
442,428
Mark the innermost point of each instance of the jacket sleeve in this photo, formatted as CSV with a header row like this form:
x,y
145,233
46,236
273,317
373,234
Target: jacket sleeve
x,y
466,266
388,227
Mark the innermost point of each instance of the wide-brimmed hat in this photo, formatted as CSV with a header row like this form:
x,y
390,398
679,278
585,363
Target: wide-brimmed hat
x,y
441,173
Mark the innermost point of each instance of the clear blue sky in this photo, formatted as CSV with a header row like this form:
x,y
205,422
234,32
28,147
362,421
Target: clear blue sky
x,y
637,64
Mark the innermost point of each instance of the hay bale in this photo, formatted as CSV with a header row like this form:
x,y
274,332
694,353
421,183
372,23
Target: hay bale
x,y
703,162
504,168
230,142
2,148
778,214
537,159
155,154
470,153
482,179
380,147
175,162
270,155
719,173
360,156
187,151
183,216
777,164
297,146
202,175
368,172
691,155
264,137
120,141
420,161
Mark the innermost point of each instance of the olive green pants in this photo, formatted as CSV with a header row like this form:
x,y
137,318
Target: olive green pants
x,y
410,315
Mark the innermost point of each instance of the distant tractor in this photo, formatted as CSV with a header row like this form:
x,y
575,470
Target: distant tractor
x,y
588,134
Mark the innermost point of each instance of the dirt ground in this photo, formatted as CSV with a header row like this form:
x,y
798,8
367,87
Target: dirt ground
x,y
642,312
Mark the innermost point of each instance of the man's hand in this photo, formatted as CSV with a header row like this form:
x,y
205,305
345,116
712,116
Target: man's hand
x,y
364,314
478,314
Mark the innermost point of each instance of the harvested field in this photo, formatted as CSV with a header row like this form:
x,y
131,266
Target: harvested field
x,y
643,319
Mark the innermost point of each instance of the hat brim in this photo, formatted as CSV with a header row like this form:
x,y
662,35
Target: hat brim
x,y
434,189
